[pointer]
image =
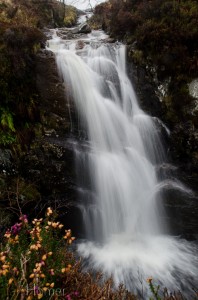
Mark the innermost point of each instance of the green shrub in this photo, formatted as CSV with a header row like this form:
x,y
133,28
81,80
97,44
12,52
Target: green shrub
x,y
70,16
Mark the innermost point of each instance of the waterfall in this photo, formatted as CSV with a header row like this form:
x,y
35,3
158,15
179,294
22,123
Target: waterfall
x,y
122,209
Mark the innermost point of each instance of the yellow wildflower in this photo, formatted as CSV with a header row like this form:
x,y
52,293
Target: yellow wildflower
x,y
10,281
4,272
5,266
44,257
16,238
3,258
49,211
54,225
38,265
7,235
32,247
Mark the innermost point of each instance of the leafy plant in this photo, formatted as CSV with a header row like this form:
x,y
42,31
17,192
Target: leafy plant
x,y
36,263
6,120
34,259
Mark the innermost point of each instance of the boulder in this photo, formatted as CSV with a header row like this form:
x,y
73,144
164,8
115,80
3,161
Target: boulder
x,y
84,28
80,45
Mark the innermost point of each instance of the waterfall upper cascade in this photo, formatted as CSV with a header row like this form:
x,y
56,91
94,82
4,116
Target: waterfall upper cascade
x,y
126,234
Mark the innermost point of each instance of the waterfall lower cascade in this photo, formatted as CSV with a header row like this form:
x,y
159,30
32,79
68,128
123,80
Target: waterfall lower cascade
x,y
122,211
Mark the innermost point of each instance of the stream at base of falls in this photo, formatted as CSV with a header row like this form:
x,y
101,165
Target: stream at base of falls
x,y
120,193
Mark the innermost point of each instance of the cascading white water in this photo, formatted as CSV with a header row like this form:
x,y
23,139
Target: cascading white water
x,y
121,209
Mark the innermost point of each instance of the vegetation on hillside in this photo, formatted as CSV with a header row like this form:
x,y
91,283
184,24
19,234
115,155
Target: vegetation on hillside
x,y
19,108
19,100
162,38
37,13
70,17
165,31
21,38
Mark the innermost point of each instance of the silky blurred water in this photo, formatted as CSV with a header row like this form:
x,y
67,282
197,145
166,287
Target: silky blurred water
x,y
122,208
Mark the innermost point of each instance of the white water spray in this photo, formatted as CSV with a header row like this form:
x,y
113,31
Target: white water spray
x,y
121,208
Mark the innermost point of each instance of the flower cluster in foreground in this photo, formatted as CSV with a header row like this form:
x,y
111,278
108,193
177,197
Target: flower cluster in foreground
x,y
35,261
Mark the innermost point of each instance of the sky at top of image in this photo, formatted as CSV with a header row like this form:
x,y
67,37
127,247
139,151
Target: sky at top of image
x,y
84,4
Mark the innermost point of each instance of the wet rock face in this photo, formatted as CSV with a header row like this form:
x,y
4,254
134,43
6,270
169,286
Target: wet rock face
x,y
182,148
145,90
182,211
180,200
52,92
50,165
50,160
193,88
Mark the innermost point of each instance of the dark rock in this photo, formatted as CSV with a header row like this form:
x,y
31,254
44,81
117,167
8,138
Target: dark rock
x,y
51,90
182,211
109,40
5,160
50,160
80,45
65,35
182,150
84,28
75,30
145,89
